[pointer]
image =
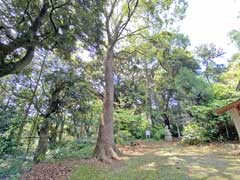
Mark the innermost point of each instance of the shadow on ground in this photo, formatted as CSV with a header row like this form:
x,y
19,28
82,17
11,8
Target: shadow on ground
x,y
154,161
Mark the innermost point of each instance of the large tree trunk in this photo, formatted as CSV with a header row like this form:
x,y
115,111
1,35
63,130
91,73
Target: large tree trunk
x,y
42,143
105,148
53,135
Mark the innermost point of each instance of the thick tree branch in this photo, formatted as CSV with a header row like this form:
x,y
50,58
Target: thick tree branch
x,y
29,38
14,67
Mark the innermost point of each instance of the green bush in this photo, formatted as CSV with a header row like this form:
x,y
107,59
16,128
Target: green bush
x,y
74,149
213,124
127,121
123,137
12,167
158,132
193,134
8,146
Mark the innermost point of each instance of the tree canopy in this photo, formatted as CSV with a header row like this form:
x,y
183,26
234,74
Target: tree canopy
x,y
100,73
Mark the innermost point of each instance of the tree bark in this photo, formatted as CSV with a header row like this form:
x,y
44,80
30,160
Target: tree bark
x,y
14,67
44,130
53,135
105,148
42,143
166,120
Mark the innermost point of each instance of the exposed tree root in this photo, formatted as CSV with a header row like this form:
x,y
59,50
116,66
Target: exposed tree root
x,y
114,154
106,153
119,153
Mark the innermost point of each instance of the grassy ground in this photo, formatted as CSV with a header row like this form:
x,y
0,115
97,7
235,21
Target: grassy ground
x,y
162,161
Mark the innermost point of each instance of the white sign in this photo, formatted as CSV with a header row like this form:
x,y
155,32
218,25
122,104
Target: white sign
x,y
148,133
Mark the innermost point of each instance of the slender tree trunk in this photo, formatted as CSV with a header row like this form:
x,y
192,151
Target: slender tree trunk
x,y
76,128
87,129
206,74
31,134
81,129
149,95
166,120
227,131
87,126
178,130
20,131
105,148
61,131
22,124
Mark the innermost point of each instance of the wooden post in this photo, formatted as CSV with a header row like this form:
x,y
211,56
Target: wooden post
x,y
236,119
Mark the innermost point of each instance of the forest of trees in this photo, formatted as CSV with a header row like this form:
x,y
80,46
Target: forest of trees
x,y
102,72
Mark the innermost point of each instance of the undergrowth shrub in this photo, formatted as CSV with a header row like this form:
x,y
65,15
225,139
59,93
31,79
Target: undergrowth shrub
x,y
123,137
127,121
12,167
193,134
74,149
158,132
8,146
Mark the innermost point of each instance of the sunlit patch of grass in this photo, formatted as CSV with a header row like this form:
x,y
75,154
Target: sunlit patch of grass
x,y
125,158
174,162
149,167
139,168
86,172
146,172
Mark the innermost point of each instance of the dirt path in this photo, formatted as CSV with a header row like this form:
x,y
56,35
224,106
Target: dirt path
x,y
151,161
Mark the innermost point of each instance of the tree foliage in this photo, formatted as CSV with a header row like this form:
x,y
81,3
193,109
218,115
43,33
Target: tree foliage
x,y
96,72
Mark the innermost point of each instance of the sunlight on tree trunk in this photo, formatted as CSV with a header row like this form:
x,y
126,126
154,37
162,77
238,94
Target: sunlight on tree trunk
x,y
105,145
105,149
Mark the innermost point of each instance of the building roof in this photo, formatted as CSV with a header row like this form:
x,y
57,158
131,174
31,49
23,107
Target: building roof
x,y
235,104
